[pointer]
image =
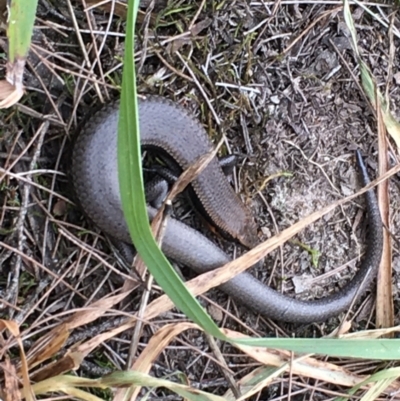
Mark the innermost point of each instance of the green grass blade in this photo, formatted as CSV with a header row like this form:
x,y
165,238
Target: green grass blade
x,y
70,385
368,80
381,380
20,28
132,191
134,206
21,18
385,349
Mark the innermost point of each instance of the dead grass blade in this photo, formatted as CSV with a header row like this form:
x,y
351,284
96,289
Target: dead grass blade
x,y
48,345
303,366
193,171
13,328
71,361
198,286
384,293
259,378
206,281
368,81
371,334
385,120
119,9
256,381
11,93
10,392
70,386
214,278
155,346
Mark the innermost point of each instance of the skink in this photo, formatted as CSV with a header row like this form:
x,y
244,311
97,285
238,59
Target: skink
x,y
165,125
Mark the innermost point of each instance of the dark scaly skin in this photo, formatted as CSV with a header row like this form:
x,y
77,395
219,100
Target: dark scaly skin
x,y
94,170
184,143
